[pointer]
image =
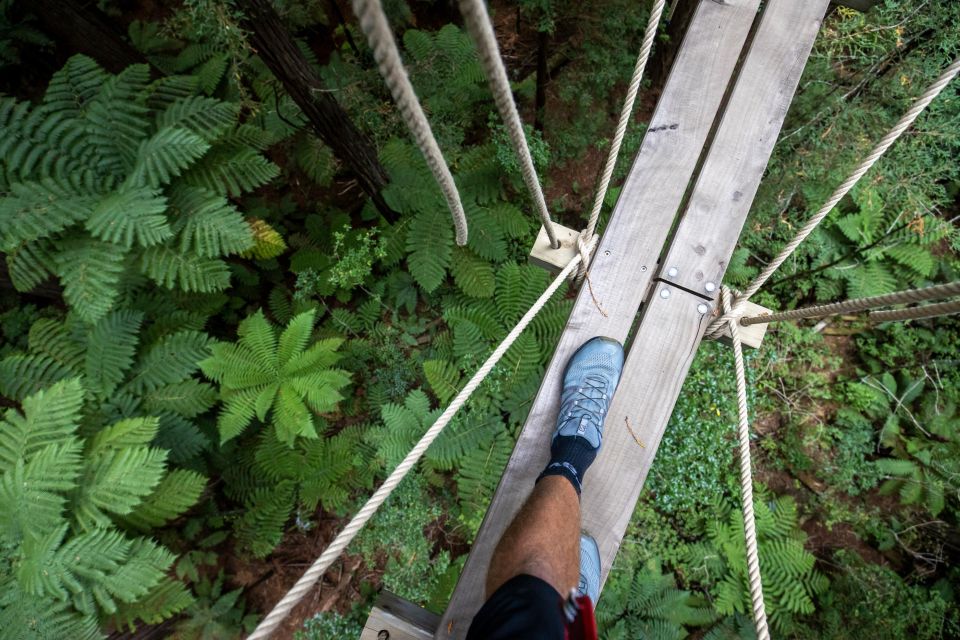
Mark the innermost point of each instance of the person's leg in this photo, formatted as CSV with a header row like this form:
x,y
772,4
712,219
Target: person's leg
x,y
543,540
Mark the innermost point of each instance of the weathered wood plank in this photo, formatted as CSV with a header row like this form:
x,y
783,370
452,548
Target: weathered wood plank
x,y
624,262
673,323
738,155
393,618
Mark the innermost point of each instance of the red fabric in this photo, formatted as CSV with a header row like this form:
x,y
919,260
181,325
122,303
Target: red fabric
x,y
584,626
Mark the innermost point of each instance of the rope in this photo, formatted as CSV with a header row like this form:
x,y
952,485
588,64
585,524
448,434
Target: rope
x,y
651,31
858,304
885,143
477,21
917,313
343,539
746,477
374,24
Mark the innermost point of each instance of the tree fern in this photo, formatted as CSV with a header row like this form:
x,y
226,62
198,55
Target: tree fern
x,y
264,374
75,567
108,167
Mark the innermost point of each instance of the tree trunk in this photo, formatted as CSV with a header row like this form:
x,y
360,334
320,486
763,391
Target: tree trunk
x,y
540,103
278,50
81,28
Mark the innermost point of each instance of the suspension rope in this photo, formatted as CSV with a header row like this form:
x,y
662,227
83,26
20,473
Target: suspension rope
x,y
917,313
746,475
858,304
885,143
625,112
374,24
477,21
343,539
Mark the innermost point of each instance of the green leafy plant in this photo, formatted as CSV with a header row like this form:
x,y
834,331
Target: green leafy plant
x,y
790,581
111,176
265,374
65,486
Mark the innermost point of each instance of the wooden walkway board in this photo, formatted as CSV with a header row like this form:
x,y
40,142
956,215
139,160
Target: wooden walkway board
x,y
393,618
674,321
624,264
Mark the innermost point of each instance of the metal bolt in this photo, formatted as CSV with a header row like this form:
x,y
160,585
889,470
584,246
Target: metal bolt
x,y
606,253
702,308
672,272
664,293
643,268
710,287
383,635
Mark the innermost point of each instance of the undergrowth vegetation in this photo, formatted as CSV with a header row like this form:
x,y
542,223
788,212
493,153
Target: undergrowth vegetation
x,y
213,344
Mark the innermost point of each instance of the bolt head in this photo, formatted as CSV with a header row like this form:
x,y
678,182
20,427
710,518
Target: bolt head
x,y
710,287
664,293
672,272
702,308
643,268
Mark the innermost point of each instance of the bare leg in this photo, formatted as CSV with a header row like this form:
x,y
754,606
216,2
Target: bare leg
x,y
543,540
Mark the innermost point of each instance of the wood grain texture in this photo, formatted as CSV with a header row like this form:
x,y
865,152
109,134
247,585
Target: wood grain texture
x,y
402,620
624,262
671,328
738,155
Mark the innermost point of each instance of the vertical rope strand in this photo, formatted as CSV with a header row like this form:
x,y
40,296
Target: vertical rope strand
x,y
374,24
885,143
746,478
310,577
478,24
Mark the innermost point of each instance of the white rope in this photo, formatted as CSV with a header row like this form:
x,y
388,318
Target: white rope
x,y
343,539
885,143
477,21
653,22
374,24
917,313
746,477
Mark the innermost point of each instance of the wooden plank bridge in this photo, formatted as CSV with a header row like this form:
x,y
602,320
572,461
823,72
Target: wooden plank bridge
x,y
663,255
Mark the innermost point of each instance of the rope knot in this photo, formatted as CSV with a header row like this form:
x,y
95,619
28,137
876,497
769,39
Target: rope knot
x,y
585,248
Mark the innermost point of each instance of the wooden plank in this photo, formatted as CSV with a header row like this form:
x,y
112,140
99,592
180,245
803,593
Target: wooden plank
x,y
554,260
393,618
672,325
738,155
624,262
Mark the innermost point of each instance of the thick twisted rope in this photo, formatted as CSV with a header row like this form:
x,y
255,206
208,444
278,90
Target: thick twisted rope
x,y
374,24
746,477
885,143
917,313
858,304
477,21
343,539
653,22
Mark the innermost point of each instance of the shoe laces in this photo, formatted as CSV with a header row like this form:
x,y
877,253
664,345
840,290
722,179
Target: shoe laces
x,y
589,400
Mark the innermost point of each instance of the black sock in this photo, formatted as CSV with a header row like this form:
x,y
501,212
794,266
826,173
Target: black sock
x,y
570,457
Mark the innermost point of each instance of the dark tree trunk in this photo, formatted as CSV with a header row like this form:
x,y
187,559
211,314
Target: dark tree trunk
x,y
81,28
540,103
278,50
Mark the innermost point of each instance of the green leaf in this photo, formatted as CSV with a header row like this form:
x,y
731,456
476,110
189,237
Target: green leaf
x,y
111,344
430,247
90,272
207,117
165,155
49,416
170,268
444,379
176,493
134,214
173,358
34,210
187,398
211,226
473,275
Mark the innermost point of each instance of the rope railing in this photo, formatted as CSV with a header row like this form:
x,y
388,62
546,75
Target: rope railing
x,y
917,313
653,22
746,475
373,23
858,304
477,21
310,577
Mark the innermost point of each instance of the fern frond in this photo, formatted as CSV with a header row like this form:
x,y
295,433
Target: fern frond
x,y
211,226
118,119
187,398
206,117
165,155
29,264
444,379
471,274
131,214
49,415
90,272
166,599
35,210
173,358
186,271
267,242
22,375
181,438
430,248
176,493
111,344
116,479
231,169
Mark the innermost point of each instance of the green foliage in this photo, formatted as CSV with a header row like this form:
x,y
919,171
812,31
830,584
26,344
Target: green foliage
x,y
790,581
262,374
67,565
107,177
652,607
215,614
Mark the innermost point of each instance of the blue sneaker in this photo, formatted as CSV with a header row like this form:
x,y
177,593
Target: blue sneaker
x,y
589,584
591,377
